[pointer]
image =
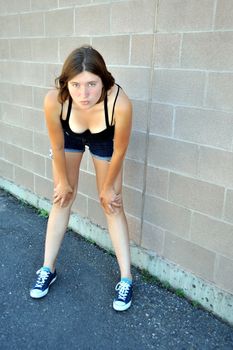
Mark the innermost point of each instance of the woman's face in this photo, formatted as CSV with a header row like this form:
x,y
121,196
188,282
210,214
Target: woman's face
x,y
85,89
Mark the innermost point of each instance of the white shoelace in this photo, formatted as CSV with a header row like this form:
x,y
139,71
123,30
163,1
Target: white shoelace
x,y
123,289
43,275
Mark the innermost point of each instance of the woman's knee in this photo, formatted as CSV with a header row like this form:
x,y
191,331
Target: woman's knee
x,y
68,205
114,213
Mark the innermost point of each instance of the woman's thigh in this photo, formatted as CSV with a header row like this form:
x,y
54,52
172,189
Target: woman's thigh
x,y
101,169
73,160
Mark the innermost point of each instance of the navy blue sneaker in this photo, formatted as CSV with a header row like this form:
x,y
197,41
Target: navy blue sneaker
x,y
44,280
123,299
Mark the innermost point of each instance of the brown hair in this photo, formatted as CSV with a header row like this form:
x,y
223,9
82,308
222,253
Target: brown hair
x,y
84,58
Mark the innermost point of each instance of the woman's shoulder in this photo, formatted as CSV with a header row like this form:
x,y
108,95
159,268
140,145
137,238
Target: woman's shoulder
x,y
52,97
51,100
123,103
117,93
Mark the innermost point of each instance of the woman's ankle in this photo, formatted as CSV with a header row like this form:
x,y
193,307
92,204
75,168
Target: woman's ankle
x,y
49,267
127,277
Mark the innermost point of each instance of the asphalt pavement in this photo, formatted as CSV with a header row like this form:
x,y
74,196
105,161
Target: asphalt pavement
x,y
77,313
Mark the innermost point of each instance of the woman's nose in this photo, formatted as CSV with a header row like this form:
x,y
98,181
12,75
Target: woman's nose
x,y
84,91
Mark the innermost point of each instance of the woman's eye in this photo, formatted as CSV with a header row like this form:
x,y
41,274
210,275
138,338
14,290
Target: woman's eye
x,y
92,84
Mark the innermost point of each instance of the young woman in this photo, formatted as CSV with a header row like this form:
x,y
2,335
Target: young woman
x,y
87,109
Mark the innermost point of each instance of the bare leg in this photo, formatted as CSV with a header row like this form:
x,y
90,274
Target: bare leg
x,y
117,224
59,217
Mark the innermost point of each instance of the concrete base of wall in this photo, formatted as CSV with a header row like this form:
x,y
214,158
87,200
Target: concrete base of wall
x,y
213,299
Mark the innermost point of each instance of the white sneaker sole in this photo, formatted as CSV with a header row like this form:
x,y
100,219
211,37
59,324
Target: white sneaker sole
x,y
37,294
122,307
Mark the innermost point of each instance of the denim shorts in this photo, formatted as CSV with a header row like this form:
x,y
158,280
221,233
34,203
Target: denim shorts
x,y
100,149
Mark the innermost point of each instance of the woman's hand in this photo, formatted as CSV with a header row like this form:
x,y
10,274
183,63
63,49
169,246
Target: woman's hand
x,y
110,201
63,194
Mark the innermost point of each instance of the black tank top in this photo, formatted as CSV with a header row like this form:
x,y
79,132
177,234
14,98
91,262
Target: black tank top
x,y
104,135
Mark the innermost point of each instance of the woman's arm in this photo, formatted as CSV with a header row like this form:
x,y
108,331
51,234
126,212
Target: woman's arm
x,y
123,125
52,108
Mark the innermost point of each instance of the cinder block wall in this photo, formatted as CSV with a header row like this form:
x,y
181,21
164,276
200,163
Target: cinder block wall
x,y
174,59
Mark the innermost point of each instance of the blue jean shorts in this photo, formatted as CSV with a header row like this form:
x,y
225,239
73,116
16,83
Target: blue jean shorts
x,y
100,149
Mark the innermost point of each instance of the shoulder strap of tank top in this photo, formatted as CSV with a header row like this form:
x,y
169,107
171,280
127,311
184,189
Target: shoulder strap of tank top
x,y
69,109
106,110
61,110
106,107
114,103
